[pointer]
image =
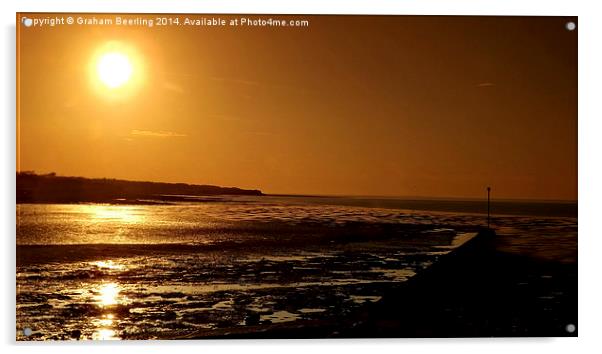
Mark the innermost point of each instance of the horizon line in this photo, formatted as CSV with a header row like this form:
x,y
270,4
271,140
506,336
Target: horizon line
x,y
335,195
419,197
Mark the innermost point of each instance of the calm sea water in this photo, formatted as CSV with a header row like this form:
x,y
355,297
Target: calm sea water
x,y
92,271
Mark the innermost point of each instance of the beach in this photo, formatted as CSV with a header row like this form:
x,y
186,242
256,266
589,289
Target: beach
x,y
285,267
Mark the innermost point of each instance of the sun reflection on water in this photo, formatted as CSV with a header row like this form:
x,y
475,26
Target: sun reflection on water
x,y
104,334
107,294
106,320
123,214
108,265
104,329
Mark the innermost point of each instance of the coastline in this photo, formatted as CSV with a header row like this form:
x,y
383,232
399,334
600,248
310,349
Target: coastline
x,y
50,188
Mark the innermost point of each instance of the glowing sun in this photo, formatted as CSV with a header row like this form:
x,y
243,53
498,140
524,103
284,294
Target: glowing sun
x,y
114,69
117,71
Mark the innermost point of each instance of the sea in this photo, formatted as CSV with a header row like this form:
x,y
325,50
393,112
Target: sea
x,y
164,270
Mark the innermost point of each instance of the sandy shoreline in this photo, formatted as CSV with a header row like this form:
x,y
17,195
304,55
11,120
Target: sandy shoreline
x,y
475,291
268,271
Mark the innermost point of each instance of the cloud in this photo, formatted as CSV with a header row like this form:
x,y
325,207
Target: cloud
x,y
486,84
156,134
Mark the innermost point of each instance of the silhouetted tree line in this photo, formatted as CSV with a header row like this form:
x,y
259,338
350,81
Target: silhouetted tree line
x,y
50,188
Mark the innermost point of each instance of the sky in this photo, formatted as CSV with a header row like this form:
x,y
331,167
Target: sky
x,y
349,105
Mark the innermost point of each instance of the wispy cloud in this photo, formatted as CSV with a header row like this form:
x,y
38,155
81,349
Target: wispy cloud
x,y
486,84
156,134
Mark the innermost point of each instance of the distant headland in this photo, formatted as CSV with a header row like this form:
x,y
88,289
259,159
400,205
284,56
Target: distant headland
x,y
50,188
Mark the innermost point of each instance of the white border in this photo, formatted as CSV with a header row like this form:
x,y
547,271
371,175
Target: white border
x,y
408,7
590,176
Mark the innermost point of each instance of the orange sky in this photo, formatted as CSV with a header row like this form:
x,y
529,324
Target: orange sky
x,y
362,105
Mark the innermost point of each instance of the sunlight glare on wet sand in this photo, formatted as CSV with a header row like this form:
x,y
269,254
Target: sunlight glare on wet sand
x,y
104,334
110,265
107,320
108,294
101,213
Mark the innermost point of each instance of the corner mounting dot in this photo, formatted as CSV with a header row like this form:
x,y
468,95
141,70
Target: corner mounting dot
x,y
570,26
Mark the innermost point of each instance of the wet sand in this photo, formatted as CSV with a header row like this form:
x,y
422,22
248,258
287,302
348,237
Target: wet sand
x,y
475,291
479,291
283,269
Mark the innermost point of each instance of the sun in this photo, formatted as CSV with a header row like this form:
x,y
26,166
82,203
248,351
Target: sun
x,y
117,71
114,69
